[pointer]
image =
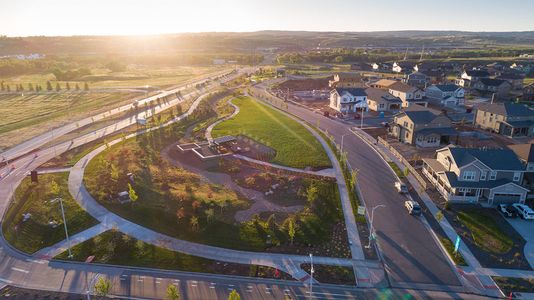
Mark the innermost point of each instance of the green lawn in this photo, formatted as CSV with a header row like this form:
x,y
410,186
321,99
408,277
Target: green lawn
x,y
295,146
36,233
457,257
485,231
510,284
396,169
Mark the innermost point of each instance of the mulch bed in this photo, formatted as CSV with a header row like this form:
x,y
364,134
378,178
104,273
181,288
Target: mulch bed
x,y
332,274
10,292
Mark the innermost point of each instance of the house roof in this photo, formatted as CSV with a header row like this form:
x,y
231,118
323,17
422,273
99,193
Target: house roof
x,y
520,124
524,151
420,116
439,130
510,76
402,87
506,109
379,94
385,82
352,91
496,159
492,82
477,73
486,184
447,87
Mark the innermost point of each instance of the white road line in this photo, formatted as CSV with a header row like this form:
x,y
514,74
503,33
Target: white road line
x,y
20,270
158,282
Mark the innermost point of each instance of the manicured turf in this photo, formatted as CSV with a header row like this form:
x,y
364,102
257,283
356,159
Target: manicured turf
x,y
396,169
36,233
295,146
485,231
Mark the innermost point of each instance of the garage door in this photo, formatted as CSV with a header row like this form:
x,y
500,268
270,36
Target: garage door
x,y
505,199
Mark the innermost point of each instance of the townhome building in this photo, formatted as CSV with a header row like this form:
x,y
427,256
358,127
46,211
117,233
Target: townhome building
x,y
446,94
508,119
409,95
381,101
469,175
423,127
348,100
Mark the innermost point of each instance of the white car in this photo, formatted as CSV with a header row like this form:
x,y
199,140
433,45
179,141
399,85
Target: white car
x,y
524,211
412,207
401,187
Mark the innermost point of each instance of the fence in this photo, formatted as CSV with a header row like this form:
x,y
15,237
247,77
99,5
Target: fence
x,y
405,162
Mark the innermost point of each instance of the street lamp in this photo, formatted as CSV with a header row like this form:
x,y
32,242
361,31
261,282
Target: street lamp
x,y
64,222
311,278
371,231
342,137
91,285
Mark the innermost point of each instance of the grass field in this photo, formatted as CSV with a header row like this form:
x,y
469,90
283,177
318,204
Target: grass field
x,y
295,146
485,231
36,233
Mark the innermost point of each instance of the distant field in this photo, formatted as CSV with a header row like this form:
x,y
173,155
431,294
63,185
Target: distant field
x,y
295,146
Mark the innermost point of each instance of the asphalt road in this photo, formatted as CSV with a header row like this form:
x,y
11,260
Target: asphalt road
x,y
410,253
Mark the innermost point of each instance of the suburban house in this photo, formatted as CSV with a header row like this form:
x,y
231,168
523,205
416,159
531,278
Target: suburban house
x,y
514,79
381,100
399,67
525,152
469,77
446,94
422,127
528,92
383,83
505,118
348,100
408,94
426,66
381,66
469,175
435,76
524,68
501,88
417,79
346,80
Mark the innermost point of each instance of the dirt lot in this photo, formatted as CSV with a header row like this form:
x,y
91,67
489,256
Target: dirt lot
x,y
304,84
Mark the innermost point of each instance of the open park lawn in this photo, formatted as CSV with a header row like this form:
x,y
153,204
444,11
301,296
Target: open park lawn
x,y
182,204
37,232
295,146
113,247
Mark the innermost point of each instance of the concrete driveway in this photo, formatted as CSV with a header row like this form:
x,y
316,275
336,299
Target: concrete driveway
x,y
526,229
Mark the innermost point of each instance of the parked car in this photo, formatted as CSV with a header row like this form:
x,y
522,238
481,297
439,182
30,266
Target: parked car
x,y
412,207
401,187
507,211
524,211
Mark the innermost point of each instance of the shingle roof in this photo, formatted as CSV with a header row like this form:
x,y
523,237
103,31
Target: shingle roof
x,y
379,94
492,82
496,159
385,82
402,87
477,73
352,91
507,109
447,87
439,130
510,76
420,116
486,184
524,151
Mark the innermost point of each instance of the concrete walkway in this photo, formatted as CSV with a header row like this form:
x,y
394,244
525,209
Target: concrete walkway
x,y
526,229
210,128
323,173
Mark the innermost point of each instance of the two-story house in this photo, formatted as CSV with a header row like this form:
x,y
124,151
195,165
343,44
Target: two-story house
x,y
525,153
417,79
408,94
346,80
468,175
528,92
382,83
402,66
489,86
348,100
505,118
422,127
514,79
380,100
468,77
446,94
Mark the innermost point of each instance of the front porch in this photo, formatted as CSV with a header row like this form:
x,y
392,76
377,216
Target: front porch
x,y
517,128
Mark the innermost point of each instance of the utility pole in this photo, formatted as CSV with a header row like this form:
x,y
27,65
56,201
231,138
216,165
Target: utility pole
x,y
64,223
311,278
342,137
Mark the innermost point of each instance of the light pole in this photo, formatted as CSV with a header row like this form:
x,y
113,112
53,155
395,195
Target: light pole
x,y
91,284
361,123
64,223
371,230
342,137
311,278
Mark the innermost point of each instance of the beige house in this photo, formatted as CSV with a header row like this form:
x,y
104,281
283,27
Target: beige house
x,y
408,94
383,83
422,127
381,100
346,80
505,118
468,175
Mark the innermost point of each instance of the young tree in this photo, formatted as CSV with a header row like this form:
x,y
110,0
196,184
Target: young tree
x,y
68,86
30,87
234,295
114,172
194,223
102,287
8,88
77,87
291,230
132,193
48,86
172,292
210,214
312,194
2,86
85,86
54,188
58,88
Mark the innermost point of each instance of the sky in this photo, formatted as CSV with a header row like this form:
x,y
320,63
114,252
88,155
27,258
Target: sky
x,y
142,17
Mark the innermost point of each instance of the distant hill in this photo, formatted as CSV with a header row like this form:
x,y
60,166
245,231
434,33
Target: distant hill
x,y
252,41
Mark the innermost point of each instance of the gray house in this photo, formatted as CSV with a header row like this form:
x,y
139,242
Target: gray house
x,y
485,176
505,118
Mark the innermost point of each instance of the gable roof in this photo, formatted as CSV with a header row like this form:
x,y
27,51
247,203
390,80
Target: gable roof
x,y
506,109
374,94
524,151
492,82
402,87
447,87
477,73
496,159
419,115
385,82
352,91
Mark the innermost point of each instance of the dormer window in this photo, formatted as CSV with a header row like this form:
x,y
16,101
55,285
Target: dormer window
x,y
493,175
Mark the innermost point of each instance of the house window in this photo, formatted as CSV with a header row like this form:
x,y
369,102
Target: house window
x,y
381,105
483,175
469,176
493,175
517,176
405,124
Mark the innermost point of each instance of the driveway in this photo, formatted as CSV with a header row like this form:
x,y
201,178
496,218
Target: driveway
x,y
526,230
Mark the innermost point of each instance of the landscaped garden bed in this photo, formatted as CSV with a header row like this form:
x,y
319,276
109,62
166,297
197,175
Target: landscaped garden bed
x,y
332,274
514,285
33,220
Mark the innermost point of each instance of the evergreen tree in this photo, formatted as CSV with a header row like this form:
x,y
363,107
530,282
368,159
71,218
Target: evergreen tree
x,y
2,86
48,86
234,295
68,86
86,86
77,87
30,87
58,88
8,88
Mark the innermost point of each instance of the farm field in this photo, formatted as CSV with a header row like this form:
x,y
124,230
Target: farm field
x,y
295,146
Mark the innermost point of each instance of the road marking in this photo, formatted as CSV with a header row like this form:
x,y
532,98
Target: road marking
x,y
37,261
158,278
20,270
139,280
158,282
176,280
122,278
